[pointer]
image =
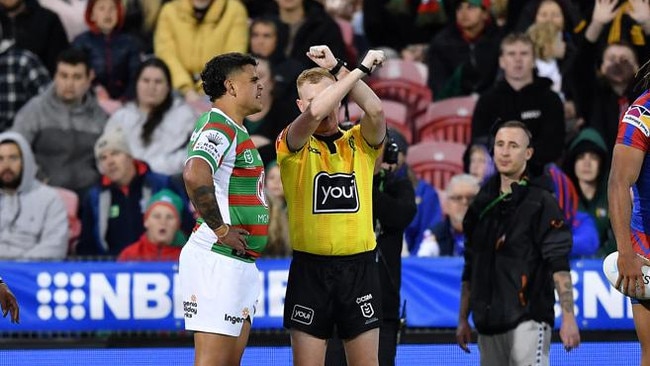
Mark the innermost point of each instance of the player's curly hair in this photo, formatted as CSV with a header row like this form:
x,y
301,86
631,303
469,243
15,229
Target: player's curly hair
x,y
218,69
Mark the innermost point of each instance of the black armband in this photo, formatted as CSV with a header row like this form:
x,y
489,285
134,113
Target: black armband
x,y
339,64
363,68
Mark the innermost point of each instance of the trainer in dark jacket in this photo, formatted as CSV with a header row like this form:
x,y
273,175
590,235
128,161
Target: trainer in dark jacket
x,y
514,240
516,252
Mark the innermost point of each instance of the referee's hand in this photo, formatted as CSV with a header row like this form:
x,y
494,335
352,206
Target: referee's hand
x,y
9,304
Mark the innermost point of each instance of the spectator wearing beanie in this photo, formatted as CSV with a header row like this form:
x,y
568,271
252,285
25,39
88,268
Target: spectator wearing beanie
x,y
162,221
113,210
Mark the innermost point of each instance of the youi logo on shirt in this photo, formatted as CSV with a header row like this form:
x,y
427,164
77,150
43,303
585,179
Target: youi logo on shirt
x,y
335,193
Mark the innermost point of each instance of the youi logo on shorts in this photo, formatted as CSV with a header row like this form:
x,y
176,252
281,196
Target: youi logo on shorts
x,y
302,314
335,193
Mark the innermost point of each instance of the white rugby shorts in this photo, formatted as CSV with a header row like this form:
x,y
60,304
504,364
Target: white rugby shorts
x,y
218,292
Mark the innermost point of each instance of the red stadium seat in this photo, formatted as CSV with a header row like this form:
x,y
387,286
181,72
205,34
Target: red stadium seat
x,y
394,112
436,161
415,72
448,120
416,97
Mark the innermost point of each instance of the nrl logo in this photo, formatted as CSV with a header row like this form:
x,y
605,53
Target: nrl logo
x,y
366,310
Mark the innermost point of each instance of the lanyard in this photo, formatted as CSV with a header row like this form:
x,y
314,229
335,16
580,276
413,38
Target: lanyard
x,y
499,199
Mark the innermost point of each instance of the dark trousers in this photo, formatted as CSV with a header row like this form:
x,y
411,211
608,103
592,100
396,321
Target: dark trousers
x,y
335,355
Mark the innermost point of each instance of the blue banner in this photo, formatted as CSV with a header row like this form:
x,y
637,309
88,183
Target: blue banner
x,y
85,296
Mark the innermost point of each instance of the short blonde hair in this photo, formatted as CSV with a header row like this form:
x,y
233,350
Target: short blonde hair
x,y
543,36
313,76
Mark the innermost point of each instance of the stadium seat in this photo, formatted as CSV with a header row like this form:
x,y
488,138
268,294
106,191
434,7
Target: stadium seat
x,y
394,112
448,120
71,201
415,72
436,161
415,96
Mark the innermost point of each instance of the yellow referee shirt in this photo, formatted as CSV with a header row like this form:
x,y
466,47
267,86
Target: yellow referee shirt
x,y
328,187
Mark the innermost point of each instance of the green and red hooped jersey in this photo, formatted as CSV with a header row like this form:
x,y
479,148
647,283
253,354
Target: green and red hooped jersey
x,y
238,176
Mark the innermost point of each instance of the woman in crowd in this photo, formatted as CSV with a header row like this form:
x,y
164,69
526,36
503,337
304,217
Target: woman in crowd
x,y
160,123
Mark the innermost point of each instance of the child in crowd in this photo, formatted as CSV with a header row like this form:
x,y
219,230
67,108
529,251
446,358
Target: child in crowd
x,y
114,55
478,162
162,222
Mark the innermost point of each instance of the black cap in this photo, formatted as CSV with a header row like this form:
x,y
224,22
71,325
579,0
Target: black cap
x,y
399,139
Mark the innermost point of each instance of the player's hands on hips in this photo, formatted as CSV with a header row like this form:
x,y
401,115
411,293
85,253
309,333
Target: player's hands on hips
x,y
463,335
236,239
569,333
8,303
322,56
630,277
373,58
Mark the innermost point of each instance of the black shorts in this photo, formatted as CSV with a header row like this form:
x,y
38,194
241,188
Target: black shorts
x,y
323,291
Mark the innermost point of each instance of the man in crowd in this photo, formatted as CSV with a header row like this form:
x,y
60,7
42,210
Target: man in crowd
x,y
524,97
63,123
113,210
33,218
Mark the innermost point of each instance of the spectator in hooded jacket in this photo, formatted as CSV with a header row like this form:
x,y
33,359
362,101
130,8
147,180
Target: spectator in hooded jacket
x,y
162,220
158,120
63,123
33,218
586,164
113,210
114,55
523,96
36,29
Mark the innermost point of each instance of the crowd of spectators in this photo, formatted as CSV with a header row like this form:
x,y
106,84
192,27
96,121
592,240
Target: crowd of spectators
x,y
105,103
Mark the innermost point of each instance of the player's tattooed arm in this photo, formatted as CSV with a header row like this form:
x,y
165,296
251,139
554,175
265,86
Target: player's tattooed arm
x,y
199,185
205,202
564,289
